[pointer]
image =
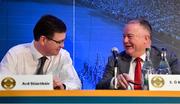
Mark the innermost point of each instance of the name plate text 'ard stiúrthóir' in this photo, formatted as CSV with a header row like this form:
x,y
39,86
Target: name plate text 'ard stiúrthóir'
x,y
26,82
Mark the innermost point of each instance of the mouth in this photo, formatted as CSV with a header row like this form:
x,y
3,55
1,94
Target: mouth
x,y
128,46
58,50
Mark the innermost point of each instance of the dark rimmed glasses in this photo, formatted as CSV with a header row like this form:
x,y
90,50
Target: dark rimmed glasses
x,y
58,42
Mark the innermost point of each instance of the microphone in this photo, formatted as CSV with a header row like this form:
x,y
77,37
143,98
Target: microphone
x,y
115,52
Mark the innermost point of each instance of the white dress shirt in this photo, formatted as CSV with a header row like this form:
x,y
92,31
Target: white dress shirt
x,y
133,65
132,68
24,59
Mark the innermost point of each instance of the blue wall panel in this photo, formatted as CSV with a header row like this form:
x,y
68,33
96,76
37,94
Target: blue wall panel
x,y
94,27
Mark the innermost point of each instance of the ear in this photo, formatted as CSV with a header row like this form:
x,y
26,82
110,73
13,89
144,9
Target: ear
x,y
147,38
147,41
42,40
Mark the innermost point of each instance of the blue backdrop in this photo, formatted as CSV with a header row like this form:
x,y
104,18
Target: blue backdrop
x,y
94,27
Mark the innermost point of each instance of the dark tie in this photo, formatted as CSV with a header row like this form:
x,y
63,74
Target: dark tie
x,y
42,61
137,76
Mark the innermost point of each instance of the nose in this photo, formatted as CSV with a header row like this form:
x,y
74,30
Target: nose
x,y
61,45
125,40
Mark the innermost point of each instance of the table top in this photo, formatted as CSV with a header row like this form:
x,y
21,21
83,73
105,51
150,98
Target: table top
x,y
109,93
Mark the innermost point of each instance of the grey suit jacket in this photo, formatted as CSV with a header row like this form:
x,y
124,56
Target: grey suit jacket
x,y
124,65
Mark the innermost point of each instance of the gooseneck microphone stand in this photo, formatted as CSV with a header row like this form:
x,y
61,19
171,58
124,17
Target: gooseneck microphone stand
x,y
115,72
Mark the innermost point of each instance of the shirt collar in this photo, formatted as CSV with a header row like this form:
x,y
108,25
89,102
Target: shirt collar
x,y
35,53
142,57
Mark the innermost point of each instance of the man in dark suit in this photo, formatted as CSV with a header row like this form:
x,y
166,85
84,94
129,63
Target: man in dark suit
x,y
137,37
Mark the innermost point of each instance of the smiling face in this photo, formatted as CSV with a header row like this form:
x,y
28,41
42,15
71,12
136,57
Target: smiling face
x,y
51,46
136,39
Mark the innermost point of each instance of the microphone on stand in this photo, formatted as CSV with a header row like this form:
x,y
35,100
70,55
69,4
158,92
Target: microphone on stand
x,y
115,52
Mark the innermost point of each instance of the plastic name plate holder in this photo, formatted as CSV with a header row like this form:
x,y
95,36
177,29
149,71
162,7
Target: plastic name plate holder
x,y
26,82
164,82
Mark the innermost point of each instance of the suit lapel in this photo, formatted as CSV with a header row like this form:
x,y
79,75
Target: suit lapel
x,y
124,63
124,60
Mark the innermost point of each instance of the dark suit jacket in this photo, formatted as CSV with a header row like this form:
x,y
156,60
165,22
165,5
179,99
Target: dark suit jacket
x,y
124,64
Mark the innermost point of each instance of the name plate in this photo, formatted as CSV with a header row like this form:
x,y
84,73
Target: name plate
x,y
164,82
26,82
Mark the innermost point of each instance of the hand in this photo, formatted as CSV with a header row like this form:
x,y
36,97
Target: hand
x,y
123,81
57,84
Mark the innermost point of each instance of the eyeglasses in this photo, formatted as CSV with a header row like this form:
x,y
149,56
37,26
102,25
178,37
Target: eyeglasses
x,y
58,42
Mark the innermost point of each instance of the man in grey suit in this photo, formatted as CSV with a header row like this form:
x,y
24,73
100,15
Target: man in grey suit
x,y
137,37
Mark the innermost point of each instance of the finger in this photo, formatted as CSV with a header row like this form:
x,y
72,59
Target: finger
x,y
58,85
124,80
121,82
128,79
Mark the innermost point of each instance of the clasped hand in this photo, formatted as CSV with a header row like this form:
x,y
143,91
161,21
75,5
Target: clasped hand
x,y
57,84
124,80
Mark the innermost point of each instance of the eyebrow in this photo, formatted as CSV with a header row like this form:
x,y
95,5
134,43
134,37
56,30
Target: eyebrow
x,y
128,34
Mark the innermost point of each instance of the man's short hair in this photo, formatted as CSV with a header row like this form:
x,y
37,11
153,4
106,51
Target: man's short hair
x,y
47,26
143,23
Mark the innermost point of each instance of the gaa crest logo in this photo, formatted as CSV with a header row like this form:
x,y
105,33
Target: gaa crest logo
x,y
8,83
157,81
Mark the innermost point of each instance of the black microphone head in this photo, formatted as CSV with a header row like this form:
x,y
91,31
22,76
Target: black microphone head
x,y
115,51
